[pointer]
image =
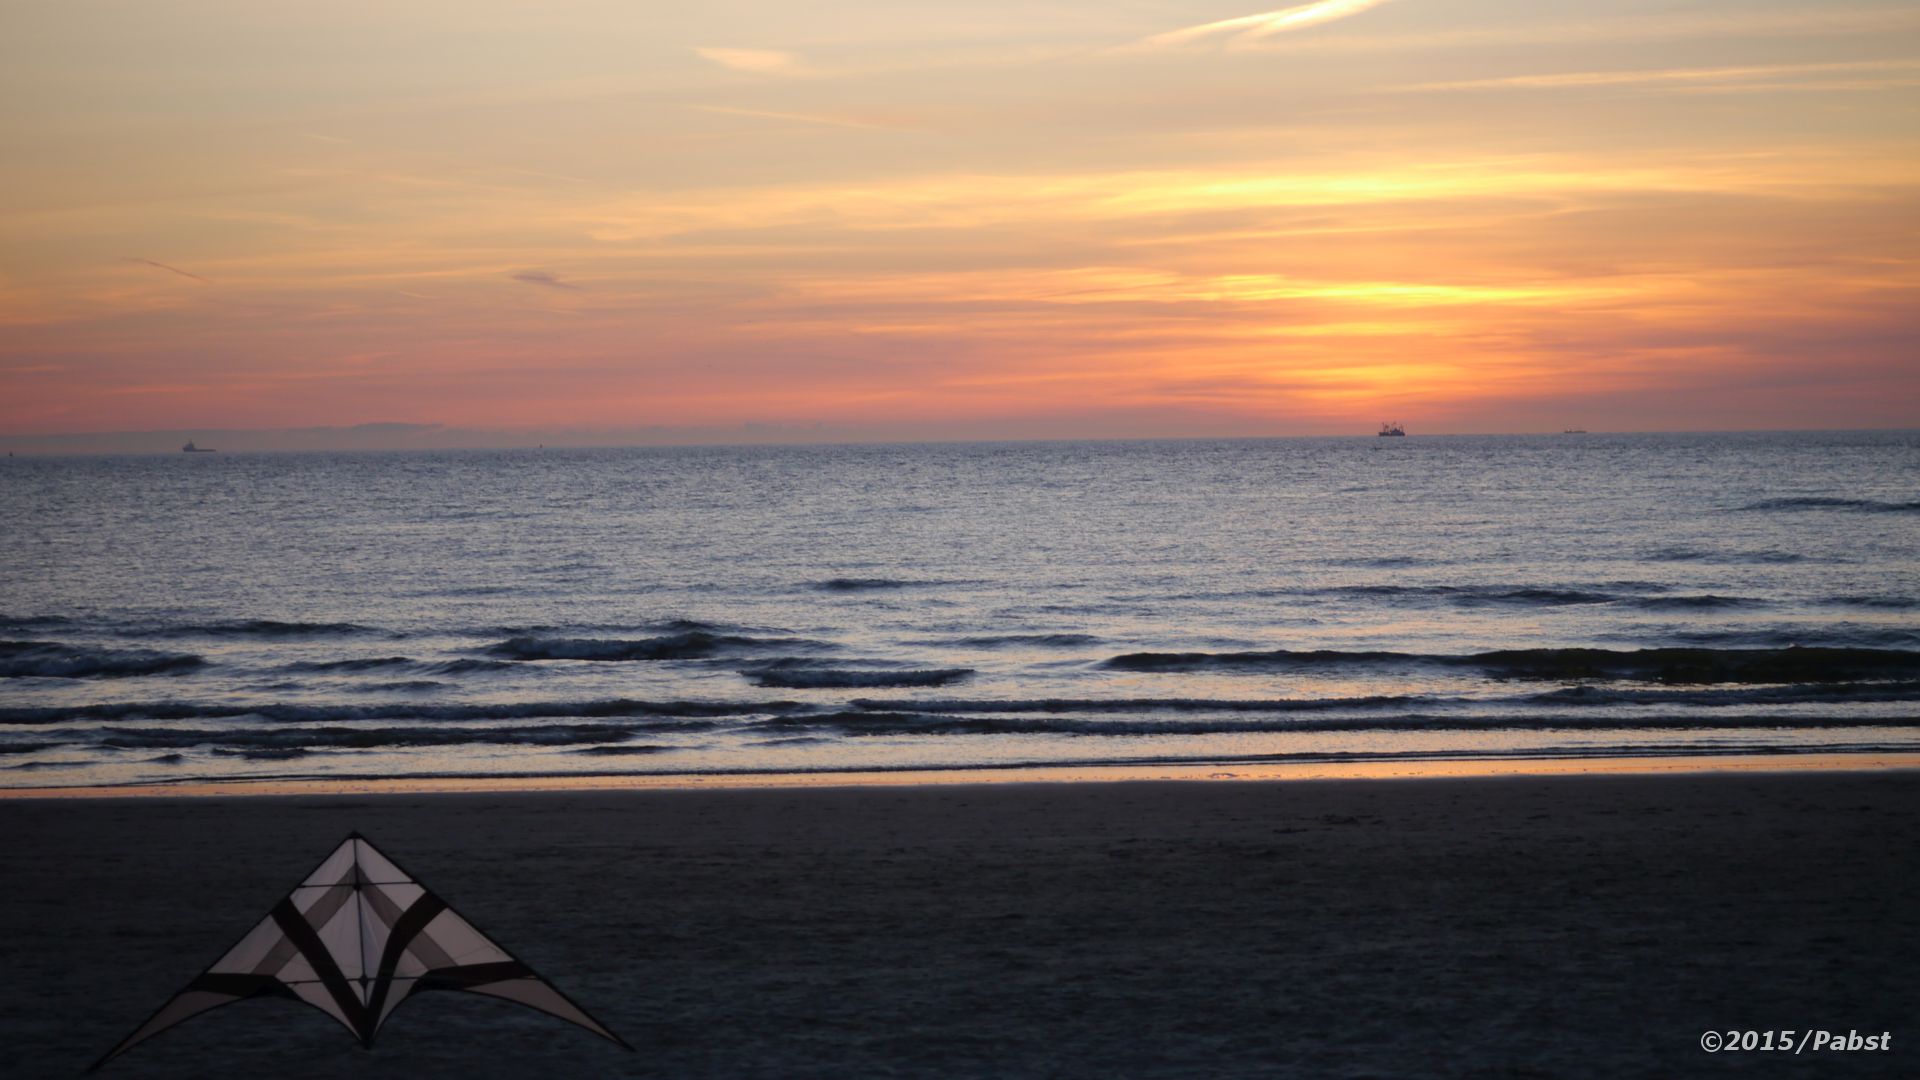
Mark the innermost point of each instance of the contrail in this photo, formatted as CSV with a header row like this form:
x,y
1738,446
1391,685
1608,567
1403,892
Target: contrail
x,y
164,266
1266,24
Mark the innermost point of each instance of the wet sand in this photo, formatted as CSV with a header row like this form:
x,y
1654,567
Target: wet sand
x,y
1494,926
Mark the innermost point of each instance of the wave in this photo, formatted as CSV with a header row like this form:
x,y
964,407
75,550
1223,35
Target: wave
x,y
689,714
1269,660
1885,603
1474,595
1138,705
663,626
28,747
853,584
467,665
51,659
1703,602
461,666
691,645
1790,665
32,622
346,738
362,663
618,750
1803,694
832,678
268,628
1617,592
1871,506
1391,562
1838,635
1765,558
996,641
857,724
1670,665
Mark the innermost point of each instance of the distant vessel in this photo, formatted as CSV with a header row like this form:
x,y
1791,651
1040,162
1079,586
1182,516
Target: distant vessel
x,y
1575,431
192,449
1390,428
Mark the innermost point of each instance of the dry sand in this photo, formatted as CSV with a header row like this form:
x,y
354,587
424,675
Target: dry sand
x,y
1512,926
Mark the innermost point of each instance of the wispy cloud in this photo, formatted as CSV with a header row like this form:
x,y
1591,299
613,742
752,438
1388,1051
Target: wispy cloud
x,y
801,118
1667,76
542,277
1266,24
163,266
1678,26
759,61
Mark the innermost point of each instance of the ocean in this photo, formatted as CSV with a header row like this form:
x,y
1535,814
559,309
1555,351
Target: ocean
x,y
544,612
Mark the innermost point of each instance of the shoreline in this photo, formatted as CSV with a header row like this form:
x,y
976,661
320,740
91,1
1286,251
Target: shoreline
x,y
1181,772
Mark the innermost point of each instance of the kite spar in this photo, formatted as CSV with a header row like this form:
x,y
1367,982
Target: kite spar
x,y
355,939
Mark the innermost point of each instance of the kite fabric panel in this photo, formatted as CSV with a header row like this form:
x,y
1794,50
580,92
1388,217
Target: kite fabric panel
x,y
355,939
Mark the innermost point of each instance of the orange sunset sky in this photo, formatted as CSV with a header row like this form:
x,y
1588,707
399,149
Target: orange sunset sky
x,y
650,221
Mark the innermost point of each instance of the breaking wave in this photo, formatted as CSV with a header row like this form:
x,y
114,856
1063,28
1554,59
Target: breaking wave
x,y
50,659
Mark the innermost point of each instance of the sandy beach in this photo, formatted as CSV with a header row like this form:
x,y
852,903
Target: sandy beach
x,y
1494,926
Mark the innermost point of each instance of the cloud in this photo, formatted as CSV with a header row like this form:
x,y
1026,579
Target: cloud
x,y
1721,26
1667,76
1266,24
801,118
542,277
163,266
760,61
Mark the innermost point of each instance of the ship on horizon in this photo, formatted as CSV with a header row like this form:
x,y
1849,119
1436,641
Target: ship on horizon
x,y
192,449
1390,428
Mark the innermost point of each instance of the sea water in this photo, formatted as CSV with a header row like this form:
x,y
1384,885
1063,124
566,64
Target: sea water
x,y
697,610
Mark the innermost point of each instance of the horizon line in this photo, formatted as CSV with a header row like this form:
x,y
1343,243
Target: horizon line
x,y
718,444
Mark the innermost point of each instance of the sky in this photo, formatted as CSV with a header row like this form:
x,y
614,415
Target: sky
x,y
633,220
